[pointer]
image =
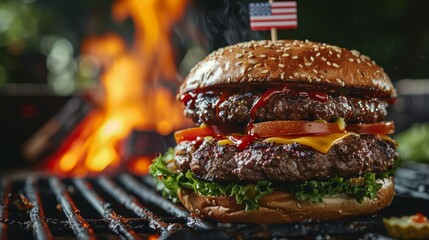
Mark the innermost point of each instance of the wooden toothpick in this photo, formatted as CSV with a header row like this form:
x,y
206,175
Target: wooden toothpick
x,y
273,30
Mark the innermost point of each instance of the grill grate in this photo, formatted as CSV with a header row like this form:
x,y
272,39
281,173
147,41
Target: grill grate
x,y
127,207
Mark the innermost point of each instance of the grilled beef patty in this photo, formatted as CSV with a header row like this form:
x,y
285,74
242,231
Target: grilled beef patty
x,y
212,108
350,157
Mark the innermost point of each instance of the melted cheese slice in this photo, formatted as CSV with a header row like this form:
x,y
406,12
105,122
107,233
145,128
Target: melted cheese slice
x,y
320,143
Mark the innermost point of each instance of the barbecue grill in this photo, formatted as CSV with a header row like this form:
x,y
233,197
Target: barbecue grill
x,y
128,207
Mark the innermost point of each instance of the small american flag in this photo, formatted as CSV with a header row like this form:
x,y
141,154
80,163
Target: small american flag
x,y
281,15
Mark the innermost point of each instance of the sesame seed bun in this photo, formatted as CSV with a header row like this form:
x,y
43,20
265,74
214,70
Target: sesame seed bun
x,y
281,207
286,61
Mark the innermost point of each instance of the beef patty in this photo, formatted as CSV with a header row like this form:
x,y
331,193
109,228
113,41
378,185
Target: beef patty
x,y
350,157
212,109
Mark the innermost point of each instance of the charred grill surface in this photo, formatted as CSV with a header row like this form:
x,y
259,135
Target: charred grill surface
x,y
235,109
352,156
63,211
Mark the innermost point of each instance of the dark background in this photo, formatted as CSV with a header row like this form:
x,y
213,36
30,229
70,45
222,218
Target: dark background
x,y
394,33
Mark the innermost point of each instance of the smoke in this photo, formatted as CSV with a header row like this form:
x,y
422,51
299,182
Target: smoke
x,y
224,22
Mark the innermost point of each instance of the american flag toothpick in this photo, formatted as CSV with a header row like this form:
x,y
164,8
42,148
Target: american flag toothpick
x,y
272,16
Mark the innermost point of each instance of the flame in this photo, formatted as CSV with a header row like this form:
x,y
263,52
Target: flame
x,y
132,97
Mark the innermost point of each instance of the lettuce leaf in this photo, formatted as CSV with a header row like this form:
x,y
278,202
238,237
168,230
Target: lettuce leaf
x,y
168,181
315,190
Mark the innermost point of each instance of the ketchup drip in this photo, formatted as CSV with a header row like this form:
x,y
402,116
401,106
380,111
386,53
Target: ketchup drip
x,y
222,98
262,101
188,97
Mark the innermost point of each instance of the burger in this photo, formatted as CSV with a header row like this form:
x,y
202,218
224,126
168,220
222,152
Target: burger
x,y
288,131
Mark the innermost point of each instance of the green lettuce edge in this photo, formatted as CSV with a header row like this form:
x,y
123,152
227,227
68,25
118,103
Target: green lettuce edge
x,y
169,181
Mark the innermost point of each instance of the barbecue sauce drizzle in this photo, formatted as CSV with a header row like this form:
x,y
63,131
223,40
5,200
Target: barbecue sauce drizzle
x,y
241,142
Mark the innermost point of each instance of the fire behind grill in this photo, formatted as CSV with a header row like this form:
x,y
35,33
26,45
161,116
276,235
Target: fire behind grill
x,y
127,207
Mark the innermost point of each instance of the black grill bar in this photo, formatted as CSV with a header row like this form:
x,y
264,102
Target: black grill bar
x,y
116,222
5,189
132,204
40,228
148,195
79,226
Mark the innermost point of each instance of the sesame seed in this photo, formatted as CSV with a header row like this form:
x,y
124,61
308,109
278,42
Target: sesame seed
x,y
279,50
250,55
307,64
290,77
312,59
351,60
239,63
252,62
330,52
318,54
316,49
265,71
318,79
323,58
295,74
285,55
335,65
210,213
262,55
295,57
368,63
231,50
300,65
249,75
267,46
315,71
273,58
281,65
321,76
249,69
356,53
302,75
338,55
358,60
329,63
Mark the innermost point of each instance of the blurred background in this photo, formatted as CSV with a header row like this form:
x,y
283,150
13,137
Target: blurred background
x,y
86,69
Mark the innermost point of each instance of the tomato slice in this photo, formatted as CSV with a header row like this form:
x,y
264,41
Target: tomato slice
x,y
290,128
383,128
190,134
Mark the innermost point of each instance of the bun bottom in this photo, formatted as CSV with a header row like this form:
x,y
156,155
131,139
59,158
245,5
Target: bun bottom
x,y
282,207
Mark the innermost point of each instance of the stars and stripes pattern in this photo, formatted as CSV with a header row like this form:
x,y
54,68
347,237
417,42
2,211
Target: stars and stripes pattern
x,y
280,15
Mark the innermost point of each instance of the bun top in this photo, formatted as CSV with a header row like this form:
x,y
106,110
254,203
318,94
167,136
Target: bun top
x,y
287,61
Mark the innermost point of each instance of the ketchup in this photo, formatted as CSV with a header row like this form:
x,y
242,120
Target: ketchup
x,y
419,218
188,97
222,98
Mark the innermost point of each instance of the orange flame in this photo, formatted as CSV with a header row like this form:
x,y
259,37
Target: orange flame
x,y
132,96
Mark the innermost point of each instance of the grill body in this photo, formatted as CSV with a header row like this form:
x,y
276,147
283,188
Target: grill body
x,y
128,207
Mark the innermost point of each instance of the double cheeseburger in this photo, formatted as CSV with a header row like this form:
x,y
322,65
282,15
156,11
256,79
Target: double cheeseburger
x,y
288,131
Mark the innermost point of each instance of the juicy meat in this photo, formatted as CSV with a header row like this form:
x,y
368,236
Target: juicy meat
x,y
235,109
350,157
